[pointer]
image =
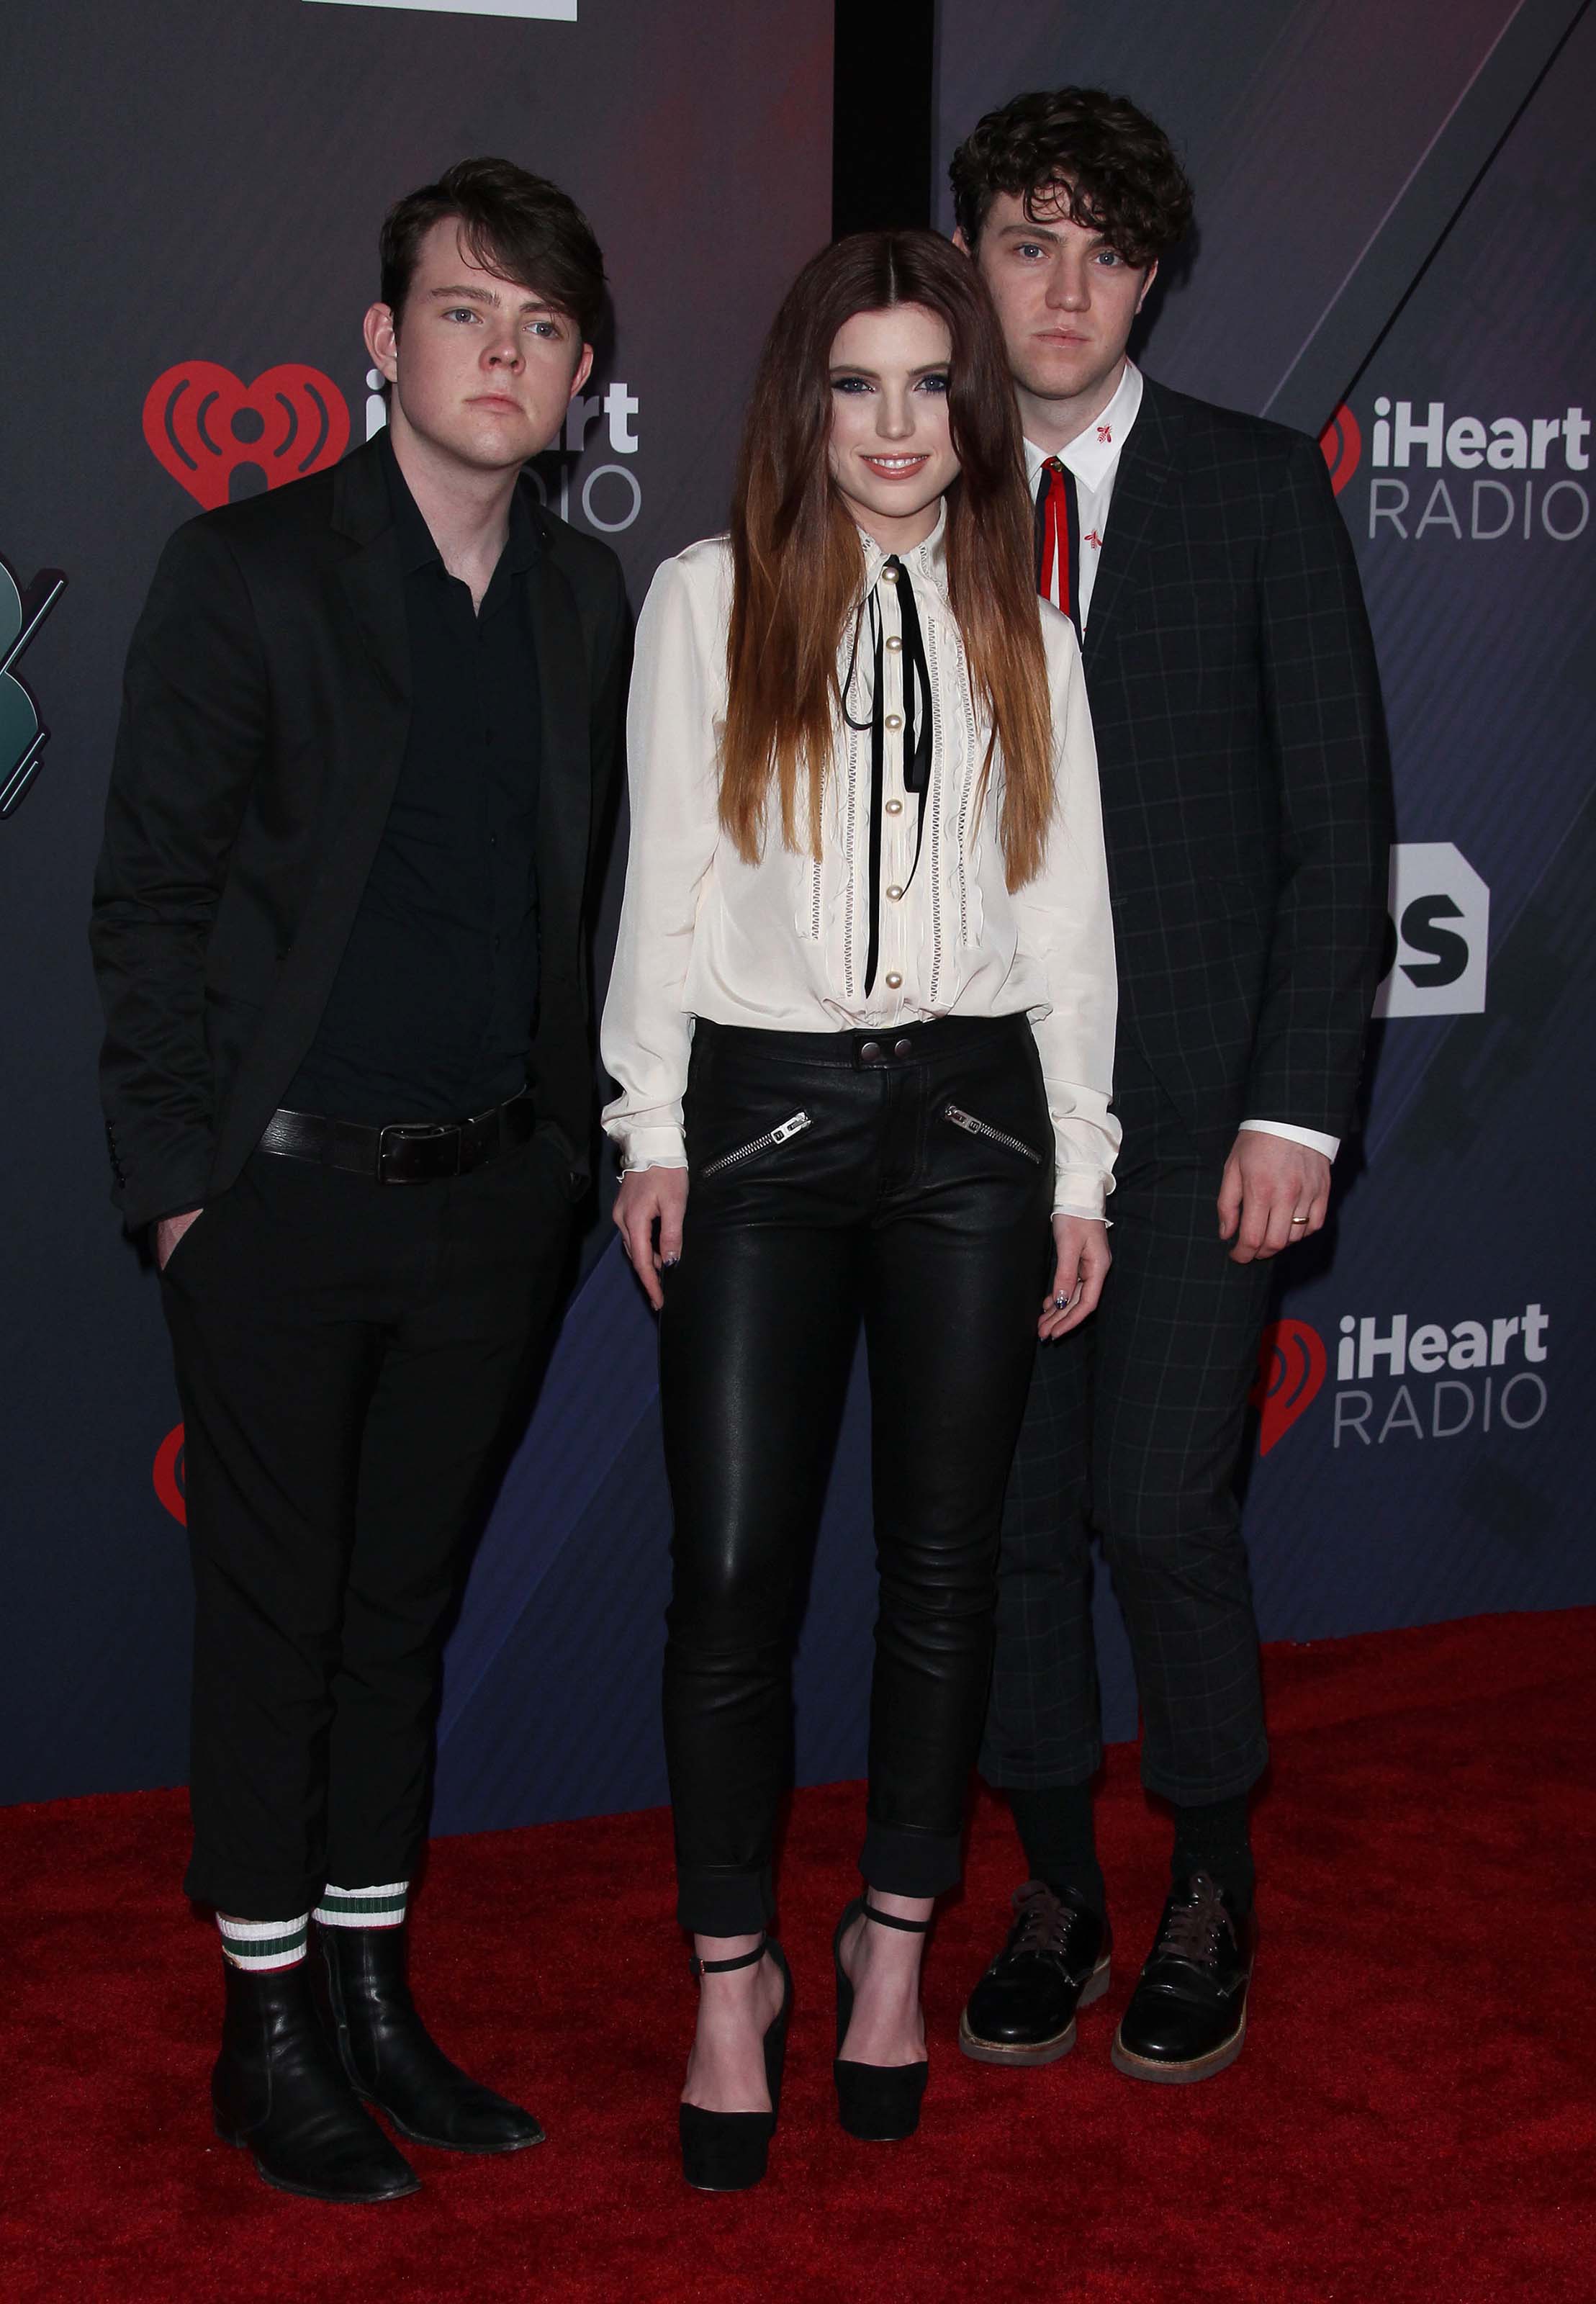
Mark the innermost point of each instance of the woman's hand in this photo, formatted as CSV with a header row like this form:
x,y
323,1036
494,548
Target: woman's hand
x,y
648,1196
1081,1269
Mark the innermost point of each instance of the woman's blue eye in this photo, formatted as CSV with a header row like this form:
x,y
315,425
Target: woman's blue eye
x,y
933,384
848,383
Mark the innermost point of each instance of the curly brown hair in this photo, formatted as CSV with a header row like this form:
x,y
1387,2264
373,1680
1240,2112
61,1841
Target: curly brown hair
x,y
1094,158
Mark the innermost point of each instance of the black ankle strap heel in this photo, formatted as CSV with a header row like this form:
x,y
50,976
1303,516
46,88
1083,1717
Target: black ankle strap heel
x,y
880,2103
728,2151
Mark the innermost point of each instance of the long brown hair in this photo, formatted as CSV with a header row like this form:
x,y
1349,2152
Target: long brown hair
x,y
797,559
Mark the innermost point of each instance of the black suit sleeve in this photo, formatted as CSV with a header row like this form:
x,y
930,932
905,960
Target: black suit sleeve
x,y
609,673
195,721
1321,694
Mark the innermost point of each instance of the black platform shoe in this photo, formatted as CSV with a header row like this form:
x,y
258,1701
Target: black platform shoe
x,y
1056,1960
880,2103
392,2061
278,2093
728,2151
1188,2017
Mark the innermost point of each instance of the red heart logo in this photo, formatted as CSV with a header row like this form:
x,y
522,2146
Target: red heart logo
x,y
168,1475
1291,1367
202,423
1341,443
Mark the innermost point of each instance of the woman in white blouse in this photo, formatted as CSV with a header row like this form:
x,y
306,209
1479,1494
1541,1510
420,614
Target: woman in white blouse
x,y
862,1018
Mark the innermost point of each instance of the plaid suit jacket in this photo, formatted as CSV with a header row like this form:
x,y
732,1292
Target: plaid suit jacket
x,y
1246,779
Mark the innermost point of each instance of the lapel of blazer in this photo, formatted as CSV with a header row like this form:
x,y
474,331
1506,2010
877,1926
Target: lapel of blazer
x,y
1148,469
565,782
370,577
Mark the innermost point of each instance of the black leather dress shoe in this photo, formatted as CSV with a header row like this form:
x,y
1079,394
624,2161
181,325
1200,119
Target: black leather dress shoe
x,y
279,2092
392,2061
1056,1960
1187,2016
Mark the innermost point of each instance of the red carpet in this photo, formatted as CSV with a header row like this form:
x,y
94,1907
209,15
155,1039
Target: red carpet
x,y
1414,2119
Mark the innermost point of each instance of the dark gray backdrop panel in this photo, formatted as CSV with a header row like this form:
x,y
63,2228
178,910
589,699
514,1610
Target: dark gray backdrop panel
x,y
203,179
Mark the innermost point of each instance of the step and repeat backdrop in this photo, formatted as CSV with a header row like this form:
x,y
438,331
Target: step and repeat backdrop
x,y
205,185
195,191
1395,211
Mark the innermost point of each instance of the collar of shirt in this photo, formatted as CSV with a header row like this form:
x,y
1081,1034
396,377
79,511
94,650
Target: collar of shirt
x,y
416,548
1092,455
926,561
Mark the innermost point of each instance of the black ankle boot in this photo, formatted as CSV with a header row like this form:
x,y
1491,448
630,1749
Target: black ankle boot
x,y
279,2092
390,2058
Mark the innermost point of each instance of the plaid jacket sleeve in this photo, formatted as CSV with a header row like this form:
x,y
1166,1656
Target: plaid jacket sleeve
x,y
1321,697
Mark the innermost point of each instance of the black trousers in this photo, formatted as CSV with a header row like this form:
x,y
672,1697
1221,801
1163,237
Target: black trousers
x,y
1133,1429
352,1360
830,1184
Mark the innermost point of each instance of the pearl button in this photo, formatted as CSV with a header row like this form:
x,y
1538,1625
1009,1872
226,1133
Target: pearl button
x,y
893,981
894,807
894,642
894,720
895,895
889,575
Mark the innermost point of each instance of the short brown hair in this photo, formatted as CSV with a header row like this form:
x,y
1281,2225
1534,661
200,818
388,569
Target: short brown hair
x,y
519,225
1102,162
798,567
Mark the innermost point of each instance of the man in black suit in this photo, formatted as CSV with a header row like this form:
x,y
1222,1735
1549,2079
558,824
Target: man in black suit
x,y
1246,809
368,734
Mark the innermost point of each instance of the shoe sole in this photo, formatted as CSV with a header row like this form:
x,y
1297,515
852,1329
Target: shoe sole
x,y
437,2144
309,2192
1200,2068
1032,2052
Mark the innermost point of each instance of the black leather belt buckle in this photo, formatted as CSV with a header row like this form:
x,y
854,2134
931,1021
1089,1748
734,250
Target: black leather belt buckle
x,y
418,1152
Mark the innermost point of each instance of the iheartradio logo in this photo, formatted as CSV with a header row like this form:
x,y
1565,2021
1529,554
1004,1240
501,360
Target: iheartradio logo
x,y
168,1475
1292,1362
1341,444
214,434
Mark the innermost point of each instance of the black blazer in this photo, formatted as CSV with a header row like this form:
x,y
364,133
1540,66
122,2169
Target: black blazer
x,y
265,715
1246,781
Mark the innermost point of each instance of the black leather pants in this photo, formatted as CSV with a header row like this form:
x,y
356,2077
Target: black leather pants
x,y
904,1177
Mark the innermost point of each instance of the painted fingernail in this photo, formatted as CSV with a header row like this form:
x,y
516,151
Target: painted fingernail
x,y
669,1260
1062,1301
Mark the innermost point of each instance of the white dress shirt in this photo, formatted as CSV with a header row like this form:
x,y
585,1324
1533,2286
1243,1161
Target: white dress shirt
x,y
781,945
1093,458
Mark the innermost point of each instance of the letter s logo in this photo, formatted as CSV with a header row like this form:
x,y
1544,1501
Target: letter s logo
x,y
1433,970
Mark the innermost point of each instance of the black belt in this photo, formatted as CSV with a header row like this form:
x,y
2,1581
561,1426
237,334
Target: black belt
x,y
406,1151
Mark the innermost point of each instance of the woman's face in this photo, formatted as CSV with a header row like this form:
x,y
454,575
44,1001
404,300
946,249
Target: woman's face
x,y
891,452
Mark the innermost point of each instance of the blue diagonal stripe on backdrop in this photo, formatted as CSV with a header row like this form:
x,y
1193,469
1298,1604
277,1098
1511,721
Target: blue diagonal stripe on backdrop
x,y
602,1380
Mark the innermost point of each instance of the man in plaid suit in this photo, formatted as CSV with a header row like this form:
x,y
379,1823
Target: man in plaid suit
x,y
1246,806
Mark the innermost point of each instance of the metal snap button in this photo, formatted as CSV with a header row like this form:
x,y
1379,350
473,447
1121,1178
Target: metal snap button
x,y
871,1053
903,1047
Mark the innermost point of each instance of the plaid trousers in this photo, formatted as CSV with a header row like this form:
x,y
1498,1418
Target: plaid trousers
x,y
1132,1433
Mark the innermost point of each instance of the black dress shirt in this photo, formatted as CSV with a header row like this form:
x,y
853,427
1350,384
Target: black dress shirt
x,y
431,1015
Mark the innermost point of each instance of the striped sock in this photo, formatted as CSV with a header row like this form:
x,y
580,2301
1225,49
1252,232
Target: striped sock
x,y
259,1946
363,1908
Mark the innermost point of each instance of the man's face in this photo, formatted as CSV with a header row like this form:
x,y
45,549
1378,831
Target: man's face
x,y
482,367
1066,299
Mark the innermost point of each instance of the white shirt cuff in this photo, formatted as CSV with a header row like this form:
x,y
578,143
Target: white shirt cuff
x,y
1329,1145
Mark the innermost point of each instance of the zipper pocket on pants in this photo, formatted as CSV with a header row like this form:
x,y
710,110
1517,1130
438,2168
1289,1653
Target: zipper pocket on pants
x,y
793,1127
973,1127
